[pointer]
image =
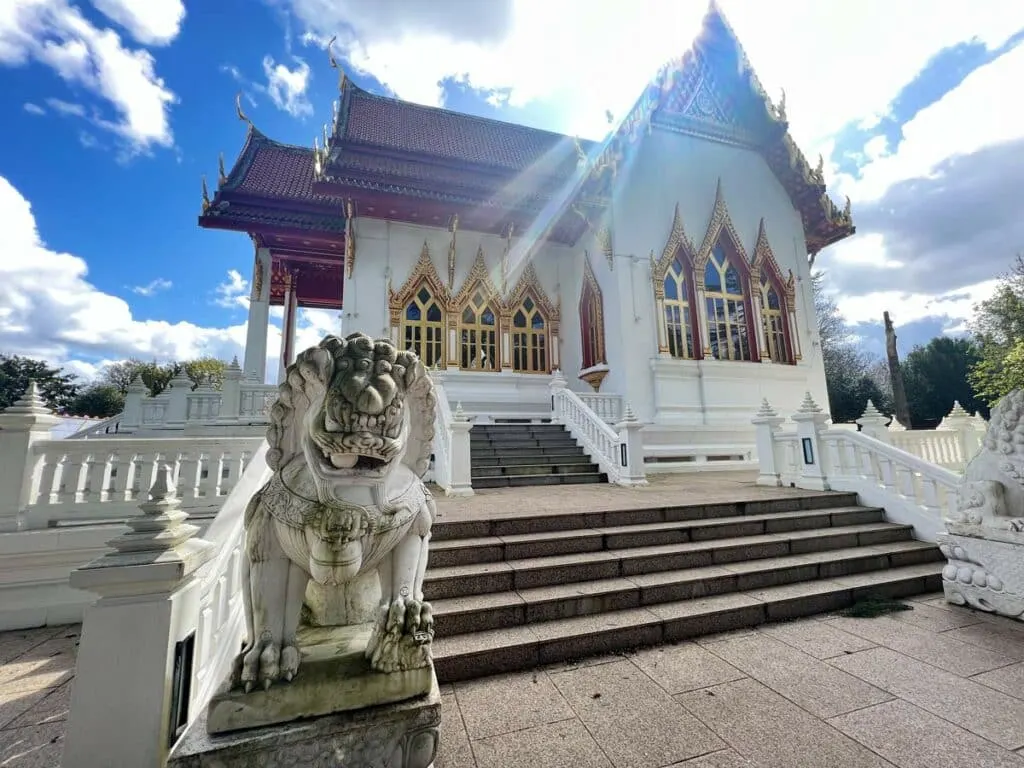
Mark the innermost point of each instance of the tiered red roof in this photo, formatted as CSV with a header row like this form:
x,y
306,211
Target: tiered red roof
x,y
402,161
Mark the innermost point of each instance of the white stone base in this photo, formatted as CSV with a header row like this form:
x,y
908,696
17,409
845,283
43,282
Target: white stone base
x,y
984,574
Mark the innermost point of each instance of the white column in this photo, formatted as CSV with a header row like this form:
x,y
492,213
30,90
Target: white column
x,y
287,331
132,418
810,423
121,704
766,424
255,365
231,394
21,426
459,455
631,449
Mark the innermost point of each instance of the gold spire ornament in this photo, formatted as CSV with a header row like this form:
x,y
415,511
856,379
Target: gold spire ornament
x,y
350,241
206,196
221,176
334,62
454,229
238,109
782,106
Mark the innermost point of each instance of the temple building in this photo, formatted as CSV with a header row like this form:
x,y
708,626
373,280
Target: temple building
x,y
666,266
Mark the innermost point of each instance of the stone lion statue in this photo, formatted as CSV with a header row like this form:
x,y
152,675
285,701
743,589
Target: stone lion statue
x,y
339,534
992,492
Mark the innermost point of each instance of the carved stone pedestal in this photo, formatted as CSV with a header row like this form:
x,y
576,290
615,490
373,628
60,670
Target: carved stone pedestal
x,y
985,573
334,677
403,735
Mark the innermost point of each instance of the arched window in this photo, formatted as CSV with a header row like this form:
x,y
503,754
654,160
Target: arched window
x,y
773,320
478,334
591,320
679,320
728,319
529,338
423,327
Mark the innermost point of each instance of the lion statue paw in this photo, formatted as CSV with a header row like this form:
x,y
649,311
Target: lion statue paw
x,y
402,636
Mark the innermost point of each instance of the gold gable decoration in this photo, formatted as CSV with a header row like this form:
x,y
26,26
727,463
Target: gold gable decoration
x,y
720,222
529,285
764,257
479,277
677,239
423,271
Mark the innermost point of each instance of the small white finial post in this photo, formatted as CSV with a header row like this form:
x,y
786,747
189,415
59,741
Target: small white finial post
x,y
767,423
810,424
24,423
873,423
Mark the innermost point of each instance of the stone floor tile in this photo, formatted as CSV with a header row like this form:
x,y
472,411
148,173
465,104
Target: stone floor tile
x,y
821,689
38,746
511,702
17,642
763,726
454,750
684,667
979,709
14,703
557,667
938,650
995,637
717,637
1009,680
913,738
555,745
816,638
936,618
51,709
636,723
725,758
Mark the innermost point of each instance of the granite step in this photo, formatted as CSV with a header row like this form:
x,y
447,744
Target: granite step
x,y
525,573
485,549
518,481
511,648
579,465
527,459
474,613
503,452
527,522
562,441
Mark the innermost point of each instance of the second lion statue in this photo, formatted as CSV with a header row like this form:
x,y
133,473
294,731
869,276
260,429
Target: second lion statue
x,y
350,439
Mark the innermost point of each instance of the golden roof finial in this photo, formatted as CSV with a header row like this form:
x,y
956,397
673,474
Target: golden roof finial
x,y
782,106
238,109
581,156
323,131
221,176
820,170
847,207
334,62
206,196
334,112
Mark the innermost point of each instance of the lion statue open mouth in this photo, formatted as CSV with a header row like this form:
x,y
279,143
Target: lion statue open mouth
x,y
350,438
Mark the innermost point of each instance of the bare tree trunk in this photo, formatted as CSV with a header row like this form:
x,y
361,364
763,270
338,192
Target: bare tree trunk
x,y
899,392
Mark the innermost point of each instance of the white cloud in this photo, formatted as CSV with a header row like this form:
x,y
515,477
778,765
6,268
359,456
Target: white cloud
x,y
33,109
66,107
150,22
152,287
233,292
906,306
287,87
49,309
57,35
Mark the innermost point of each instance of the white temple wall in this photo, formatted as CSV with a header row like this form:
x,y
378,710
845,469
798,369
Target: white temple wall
x,y
671,168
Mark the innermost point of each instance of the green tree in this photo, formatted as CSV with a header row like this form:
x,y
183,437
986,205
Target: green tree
x,y
205,370
153,374
935,375
998,331
98,400
851,375
57,388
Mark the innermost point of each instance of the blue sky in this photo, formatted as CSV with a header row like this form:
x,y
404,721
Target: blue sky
x,y
108,130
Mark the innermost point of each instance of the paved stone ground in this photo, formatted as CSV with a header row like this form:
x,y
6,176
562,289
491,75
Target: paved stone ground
x,y
935,687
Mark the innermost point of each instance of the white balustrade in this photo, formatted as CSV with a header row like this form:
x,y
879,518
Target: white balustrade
x,y
256,401
607,407
154,411
103,478
203,406
618,454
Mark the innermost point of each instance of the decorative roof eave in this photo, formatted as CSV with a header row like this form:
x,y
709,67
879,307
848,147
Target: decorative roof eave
x,y
270,223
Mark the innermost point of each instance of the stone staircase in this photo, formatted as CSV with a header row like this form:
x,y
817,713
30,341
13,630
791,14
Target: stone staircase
x,y
514,455
513,593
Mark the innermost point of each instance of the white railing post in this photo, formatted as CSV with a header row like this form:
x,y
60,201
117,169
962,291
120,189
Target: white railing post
x,y
810,423
459,455
874,423
21,426
122,705
558,381
177,405
231,394
766,423
132,418
631,449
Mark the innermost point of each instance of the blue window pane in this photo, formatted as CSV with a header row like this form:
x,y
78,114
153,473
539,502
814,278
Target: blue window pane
x,y
732,281
670,288
412,312
712,278
433,313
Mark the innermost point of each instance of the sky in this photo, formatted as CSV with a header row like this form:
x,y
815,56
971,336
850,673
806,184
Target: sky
x,y
113,110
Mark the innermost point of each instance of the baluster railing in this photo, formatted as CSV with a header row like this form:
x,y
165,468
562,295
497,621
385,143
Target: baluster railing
x,y
607,407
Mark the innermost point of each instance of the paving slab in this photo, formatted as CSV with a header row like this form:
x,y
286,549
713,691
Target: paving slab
x,y
811,684
453,751
684,667
505,703
634,721
565,744
816,638
765,727
910,737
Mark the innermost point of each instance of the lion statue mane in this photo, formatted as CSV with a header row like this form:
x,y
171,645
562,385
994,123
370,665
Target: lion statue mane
x,y
350,439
